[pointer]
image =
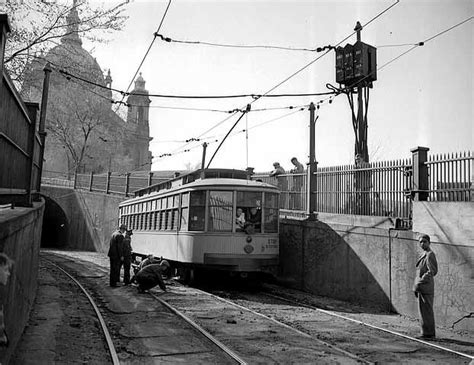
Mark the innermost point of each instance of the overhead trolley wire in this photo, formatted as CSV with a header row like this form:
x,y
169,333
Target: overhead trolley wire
x,y
149,48
171,96
214,138
416,45
170,40
309,64
325,53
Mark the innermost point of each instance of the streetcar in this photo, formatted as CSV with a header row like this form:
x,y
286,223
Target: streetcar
x,y
192,222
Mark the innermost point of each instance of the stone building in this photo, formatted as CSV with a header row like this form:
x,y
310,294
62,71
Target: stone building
x,y
85,132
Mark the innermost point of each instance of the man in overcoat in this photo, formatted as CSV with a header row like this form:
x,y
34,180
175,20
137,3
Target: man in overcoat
x,y
426,269
127,256
116,252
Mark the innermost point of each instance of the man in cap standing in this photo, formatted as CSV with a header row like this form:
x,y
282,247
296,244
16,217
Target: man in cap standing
x,y
116,252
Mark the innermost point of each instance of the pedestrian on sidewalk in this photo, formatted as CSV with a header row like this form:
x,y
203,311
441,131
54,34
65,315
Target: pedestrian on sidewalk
x,y
426,269
116,254
127,256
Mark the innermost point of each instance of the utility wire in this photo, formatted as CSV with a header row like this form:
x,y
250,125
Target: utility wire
x,y
69,75
149,48
337,91
309,64
230,130
325,53
170,40
419,44
213,139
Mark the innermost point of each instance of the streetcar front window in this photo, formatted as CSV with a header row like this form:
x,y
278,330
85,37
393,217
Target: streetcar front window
x,y
220,211
251,204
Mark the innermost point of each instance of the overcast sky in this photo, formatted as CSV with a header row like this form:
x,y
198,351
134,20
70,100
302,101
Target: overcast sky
x,y
425,98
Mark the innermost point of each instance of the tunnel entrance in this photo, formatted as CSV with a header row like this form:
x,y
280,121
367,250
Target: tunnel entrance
x,y
55,225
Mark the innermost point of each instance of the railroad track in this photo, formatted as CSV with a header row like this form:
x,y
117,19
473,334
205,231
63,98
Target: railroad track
x,y
266,327
225,355
357,337
103,326
468,357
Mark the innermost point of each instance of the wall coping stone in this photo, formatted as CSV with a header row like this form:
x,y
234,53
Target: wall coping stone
x,y
13,220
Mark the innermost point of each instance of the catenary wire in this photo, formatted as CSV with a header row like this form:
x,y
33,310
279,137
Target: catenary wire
x,y
316,59
170,40
149,48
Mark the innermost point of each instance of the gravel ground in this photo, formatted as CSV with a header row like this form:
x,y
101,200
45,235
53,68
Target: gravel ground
x,y
63,328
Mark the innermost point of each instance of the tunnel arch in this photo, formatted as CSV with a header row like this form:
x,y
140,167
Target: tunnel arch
x,y
55,225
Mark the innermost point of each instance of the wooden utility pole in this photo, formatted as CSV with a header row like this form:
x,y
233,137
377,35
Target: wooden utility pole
x,y
42,122
361,147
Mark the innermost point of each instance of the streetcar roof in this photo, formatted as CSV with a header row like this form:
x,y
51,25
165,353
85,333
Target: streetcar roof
x,y
193,176
218,184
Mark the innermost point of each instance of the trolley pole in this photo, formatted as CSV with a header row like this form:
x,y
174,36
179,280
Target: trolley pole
x,y
312,165
203,161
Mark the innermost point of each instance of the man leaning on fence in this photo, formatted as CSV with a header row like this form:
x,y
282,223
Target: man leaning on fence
x,y
116,252
296,191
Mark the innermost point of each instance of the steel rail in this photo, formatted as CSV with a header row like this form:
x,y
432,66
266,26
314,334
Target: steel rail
x,y
214,340
108,338
370,325
349,354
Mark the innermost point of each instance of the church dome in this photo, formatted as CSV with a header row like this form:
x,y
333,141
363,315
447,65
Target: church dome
x,y
70,56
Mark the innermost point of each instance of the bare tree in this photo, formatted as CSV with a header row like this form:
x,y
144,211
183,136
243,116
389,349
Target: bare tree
x,y
81,122
39,25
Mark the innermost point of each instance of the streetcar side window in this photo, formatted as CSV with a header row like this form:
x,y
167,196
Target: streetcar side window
x,y
174,213
197,210
145,223
162,220
184,211
220,211
271,213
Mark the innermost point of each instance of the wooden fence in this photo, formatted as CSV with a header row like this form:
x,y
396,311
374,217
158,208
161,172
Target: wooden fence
x,y
21,139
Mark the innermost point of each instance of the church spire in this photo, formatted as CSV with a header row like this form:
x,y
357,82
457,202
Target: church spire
x,y
72,26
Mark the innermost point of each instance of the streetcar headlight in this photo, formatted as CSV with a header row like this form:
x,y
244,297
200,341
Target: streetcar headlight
x,y
249,239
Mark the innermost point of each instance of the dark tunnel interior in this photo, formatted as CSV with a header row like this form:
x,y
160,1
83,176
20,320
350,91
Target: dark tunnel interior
x,y
55,226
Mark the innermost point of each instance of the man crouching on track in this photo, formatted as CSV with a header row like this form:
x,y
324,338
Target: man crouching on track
x,y
150,276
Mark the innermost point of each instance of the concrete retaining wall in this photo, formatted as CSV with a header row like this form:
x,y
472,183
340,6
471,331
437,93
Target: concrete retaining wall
x,y
20,234
359,259
365,265
91,217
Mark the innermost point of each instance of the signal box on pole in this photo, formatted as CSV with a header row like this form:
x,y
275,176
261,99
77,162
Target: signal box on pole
x,y
356,65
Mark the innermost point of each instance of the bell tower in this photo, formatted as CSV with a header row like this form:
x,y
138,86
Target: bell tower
x,y
137,119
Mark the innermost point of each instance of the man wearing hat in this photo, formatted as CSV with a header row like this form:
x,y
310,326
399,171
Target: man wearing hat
x,y
116,252
281,180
